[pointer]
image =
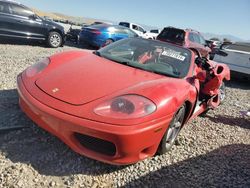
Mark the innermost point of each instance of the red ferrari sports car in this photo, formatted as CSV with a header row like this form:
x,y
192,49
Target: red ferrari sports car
x,y
122,103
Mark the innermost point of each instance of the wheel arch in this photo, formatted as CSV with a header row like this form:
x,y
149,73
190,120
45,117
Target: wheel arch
x,y
56,30
60,33
188,107
188,111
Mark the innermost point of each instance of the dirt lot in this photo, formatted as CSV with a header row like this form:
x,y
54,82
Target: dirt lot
x,y
212,151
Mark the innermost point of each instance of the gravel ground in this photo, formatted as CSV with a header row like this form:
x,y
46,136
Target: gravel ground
x,y
212,151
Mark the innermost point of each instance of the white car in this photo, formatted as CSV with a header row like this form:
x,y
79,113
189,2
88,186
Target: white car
x,y
236,56
139,30
152,34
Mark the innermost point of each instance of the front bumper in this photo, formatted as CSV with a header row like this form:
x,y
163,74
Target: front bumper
x,y
129,144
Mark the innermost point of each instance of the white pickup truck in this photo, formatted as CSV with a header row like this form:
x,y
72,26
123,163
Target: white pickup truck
x,y
152,34
236,56
134,27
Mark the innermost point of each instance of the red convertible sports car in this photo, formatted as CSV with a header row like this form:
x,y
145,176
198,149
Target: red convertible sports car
x,y
122,103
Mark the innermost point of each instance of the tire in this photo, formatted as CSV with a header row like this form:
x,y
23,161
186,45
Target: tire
x,y
107,42
54,39
78,40
172,131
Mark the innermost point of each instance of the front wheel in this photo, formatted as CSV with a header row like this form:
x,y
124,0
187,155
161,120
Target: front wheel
x,y
54,39
173,130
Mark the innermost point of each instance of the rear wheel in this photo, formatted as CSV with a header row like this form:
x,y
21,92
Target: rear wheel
x,y
173,130
54,39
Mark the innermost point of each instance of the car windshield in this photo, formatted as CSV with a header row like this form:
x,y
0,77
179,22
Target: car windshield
x,y
153,56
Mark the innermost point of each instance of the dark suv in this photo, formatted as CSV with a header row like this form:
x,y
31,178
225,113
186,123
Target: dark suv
x,y
187,38
18,21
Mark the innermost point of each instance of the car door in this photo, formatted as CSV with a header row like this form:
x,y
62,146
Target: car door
x,y
141,30
120,33
25,24
195,43
5,20
131,34
204,48
137,29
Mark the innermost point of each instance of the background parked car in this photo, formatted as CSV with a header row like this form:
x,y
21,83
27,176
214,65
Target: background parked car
x,y
102,34
152,34
99,22
73,35
134,27
236,56
18,21
213,45
187,38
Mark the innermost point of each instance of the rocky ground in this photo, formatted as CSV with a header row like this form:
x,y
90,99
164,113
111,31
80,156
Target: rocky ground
x,y
212,151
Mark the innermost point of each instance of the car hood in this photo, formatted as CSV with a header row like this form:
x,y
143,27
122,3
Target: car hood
x,y
84,79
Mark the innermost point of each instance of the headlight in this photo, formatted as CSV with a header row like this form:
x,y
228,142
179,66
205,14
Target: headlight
x,y
126,107
37,67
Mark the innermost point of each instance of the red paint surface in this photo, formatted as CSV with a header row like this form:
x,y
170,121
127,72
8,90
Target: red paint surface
x,y
84,81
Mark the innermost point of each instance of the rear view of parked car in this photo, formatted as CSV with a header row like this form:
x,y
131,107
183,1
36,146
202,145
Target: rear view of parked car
x,y
73,35
187,38
19,22
213,45
102,34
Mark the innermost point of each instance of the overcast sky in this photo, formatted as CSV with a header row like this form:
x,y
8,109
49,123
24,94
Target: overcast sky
x,y
214,16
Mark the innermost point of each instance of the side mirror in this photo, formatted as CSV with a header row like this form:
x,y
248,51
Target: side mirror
x,y
144,32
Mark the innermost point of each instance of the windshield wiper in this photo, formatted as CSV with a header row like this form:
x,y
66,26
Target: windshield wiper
x,y
154,71
112,58
121,62
97,53
165,74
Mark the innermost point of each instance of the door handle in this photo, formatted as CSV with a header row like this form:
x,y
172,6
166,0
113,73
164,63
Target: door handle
x,y
20,21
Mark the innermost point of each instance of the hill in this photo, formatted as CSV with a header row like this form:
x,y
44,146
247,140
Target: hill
x,y
84,20
60,16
